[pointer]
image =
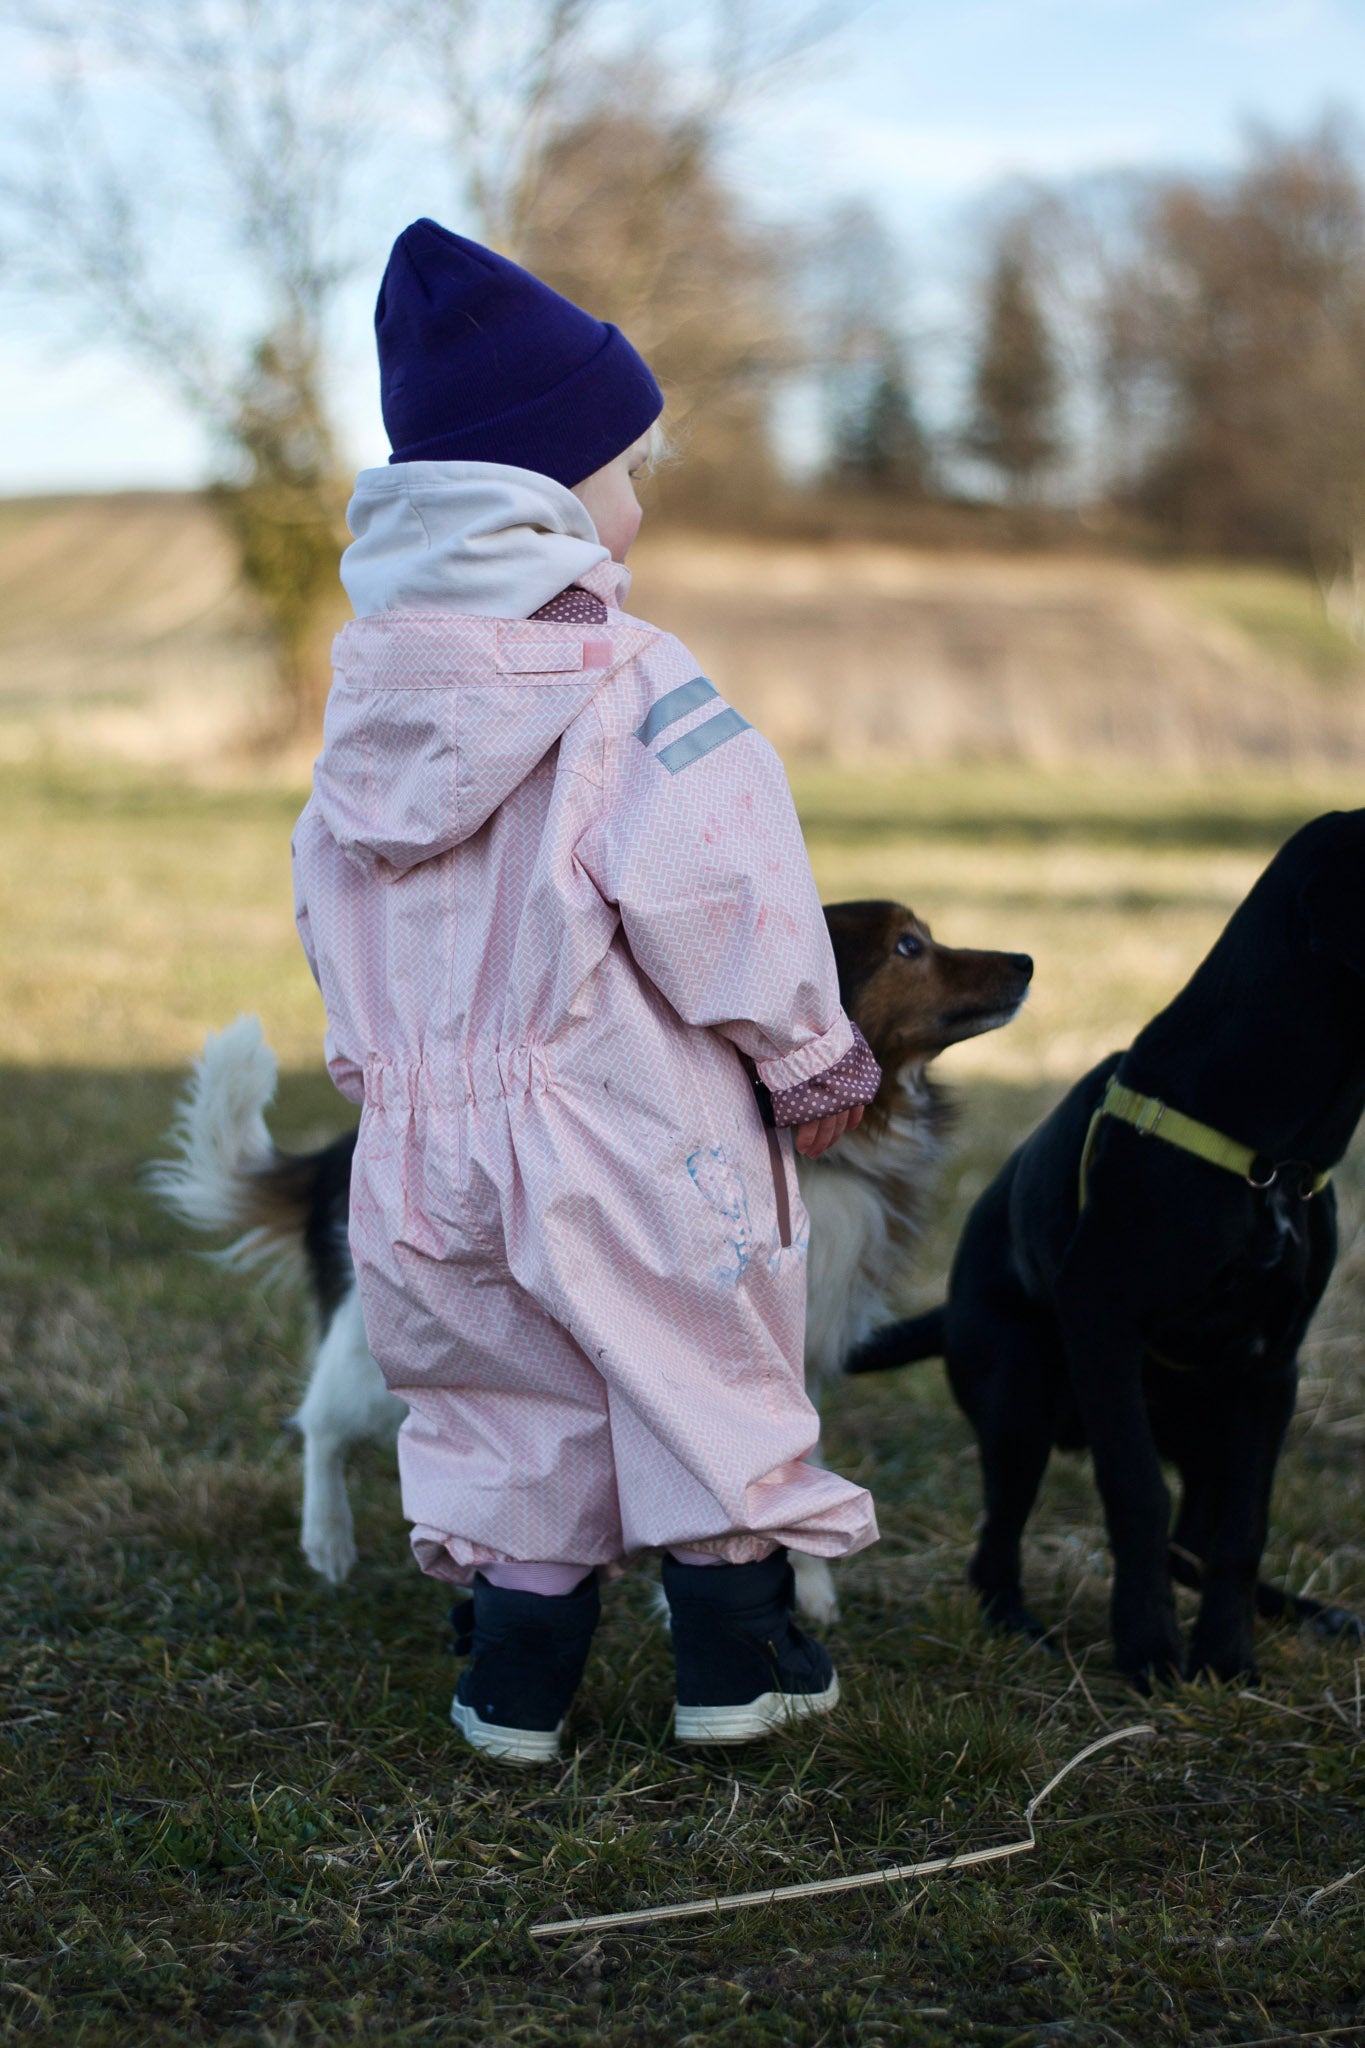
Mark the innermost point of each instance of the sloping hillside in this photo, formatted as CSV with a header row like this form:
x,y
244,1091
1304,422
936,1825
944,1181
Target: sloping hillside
x,y
122,629
861,654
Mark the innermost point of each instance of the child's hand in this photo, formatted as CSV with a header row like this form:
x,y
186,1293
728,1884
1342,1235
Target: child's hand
x,y
816,1138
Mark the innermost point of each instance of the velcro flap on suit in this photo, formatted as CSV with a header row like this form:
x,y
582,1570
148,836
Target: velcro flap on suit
x,y
523,654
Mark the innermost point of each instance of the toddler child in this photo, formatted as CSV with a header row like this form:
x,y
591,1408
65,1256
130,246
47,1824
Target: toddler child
x,y
558,904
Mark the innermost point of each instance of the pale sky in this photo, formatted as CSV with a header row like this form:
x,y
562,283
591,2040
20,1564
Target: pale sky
x,y
924,107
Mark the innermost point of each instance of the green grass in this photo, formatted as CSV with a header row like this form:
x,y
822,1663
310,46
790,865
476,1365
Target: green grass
x,y
232,1808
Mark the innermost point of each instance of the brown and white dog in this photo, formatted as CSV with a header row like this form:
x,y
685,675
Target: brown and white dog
x,y
910,996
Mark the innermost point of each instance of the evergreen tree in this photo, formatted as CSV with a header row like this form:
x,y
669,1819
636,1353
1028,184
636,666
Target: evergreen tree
x,y
1014,379
879,443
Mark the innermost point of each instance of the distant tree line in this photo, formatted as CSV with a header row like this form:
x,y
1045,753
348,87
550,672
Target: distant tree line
x,y
1211,333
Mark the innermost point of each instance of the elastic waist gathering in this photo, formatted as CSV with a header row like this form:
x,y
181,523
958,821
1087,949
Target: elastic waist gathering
x,y
479,1074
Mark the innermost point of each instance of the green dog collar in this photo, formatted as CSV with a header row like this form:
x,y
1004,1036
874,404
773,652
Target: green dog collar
x,y
1156,1119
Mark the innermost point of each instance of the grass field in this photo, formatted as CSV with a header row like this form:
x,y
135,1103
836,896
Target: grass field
x,y
232,1808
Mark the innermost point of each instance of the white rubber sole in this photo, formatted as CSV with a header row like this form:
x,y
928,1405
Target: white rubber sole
x,y
507,1745
754,1720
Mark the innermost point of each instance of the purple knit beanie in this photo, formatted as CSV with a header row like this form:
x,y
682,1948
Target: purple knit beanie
x,y
481,362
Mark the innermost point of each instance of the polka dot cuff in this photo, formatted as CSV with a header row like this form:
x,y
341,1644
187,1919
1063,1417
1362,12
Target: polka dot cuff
x,y
853,1079
574,607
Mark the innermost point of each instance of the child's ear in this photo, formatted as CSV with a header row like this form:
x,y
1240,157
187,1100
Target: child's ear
x,y
1332,900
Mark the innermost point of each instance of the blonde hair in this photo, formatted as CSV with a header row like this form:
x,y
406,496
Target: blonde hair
x,y
661,449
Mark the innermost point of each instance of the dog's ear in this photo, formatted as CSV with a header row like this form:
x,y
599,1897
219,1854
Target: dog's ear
x,y
1332,900
862,936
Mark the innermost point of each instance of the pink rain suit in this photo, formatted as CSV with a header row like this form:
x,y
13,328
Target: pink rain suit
x,y
552,888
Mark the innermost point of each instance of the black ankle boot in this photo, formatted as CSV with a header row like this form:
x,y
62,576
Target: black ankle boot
x,y
529,1650
744,1668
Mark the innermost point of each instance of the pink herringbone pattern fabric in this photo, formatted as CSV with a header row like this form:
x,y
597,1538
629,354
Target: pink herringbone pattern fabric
x,y
551,887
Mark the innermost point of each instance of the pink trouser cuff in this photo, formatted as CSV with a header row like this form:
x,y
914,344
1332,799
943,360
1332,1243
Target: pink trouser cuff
x,y
553,1579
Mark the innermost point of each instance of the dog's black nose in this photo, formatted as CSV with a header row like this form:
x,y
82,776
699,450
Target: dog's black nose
x,y
1024,964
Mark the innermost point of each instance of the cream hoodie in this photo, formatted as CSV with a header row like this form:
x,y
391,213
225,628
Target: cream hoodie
x,y
474,537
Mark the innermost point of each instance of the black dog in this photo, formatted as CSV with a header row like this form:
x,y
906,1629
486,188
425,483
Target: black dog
x,y
1116,1287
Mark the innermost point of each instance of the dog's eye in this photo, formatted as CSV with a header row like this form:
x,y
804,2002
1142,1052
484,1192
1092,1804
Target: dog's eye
x,y
910,945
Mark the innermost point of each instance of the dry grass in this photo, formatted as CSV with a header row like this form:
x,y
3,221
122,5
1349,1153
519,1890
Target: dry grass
x,y
858,654
123,634
233,1809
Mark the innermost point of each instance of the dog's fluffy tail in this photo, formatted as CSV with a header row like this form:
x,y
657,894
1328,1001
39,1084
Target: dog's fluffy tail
x,y
225,1174
907,1342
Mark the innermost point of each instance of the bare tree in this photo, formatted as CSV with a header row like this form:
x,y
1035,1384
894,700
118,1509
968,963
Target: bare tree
x,y
502,71
262,104
633,220
603,171
1236,338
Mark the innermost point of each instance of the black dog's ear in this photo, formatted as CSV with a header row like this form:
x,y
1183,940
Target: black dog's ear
x,y
1332,902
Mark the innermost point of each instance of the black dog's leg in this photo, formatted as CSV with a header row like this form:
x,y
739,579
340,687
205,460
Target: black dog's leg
x,y
1012,1468
1001,1353
1104,1355
1242,1472
998,1372
1186,1438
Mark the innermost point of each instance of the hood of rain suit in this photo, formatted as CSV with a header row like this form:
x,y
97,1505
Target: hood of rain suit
x,y
446,693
